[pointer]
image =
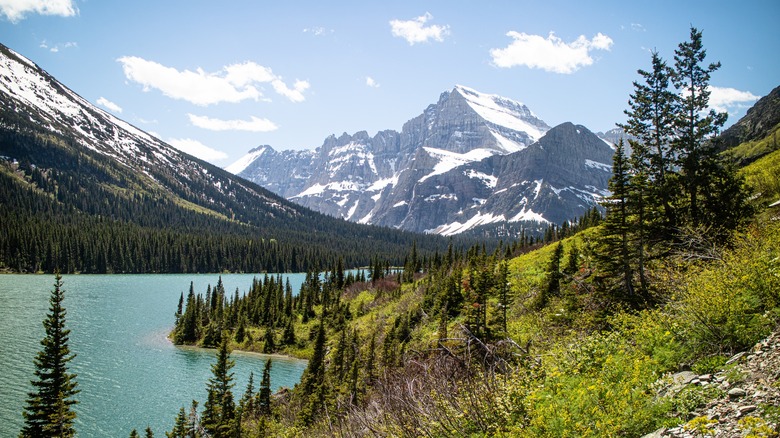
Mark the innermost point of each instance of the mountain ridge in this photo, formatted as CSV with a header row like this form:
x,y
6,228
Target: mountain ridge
x,y
395,179
67,165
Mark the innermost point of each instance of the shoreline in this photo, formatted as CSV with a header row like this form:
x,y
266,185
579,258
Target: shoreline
x,y
282,357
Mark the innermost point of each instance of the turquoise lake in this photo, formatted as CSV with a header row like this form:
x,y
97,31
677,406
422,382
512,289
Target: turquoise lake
x,y
129,374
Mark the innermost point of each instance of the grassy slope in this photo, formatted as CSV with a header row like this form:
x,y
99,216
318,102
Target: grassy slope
x,y
589,373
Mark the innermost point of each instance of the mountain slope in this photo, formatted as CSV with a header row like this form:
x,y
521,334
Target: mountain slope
x,y
61,154
450,169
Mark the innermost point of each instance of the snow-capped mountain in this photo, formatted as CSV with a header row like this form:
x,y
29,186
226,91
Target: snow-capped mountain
x,y
470,159
30,95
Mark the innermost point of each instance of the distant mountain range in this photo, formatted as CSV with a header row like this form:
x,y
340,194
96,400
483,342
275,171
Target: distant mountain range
x,y
469,160
65,161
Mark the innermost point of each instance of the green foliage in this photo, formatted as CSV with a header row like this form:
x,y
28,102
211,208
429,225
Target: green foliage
x,y
709,364
761,175
755,427
701,426
219,413
597,387
691,398
49,411
723,306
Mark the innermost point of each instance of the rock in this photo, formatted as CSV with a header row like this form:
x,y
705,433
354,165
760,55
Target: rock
x,y
758,386
735,358
683,377
657,434
746,409
736,393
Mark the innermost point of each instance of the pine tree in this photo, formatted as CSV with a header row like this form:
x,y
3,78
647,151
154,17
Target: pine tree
x,y
269,341
614,253
219,410
180,426
504,296
247,403
134,434
696,156
148,432
651,121
313,380
48,412
552,285
264,393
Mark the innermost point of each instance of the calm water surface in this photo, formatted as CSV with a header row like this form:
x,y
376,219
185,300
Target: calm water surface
x,y
129,374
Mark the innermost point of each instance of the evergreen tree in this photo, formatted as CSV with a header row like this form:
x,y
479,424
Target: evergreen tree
x,y
180,426
48,412
269,341
134,434
264,393
313,380
651,122
552,286
288,336
614,253
247,404
148,432
219,410
696,156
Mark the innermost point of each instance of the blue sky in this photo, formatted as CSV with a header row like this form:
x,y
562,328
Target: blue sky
x,y
219,78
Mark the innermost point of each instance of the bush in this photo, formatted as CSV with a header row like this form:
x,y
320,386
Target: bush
x,y
599,388
727,305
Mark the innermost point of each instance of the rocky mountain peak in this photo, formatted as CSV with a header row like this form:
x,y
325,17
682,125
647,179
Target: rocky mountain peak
x,y
441,172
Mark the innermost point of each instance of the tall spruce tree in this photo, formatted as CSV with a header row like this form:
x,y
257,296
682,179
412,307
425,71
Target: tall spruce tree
x,y
49,407
697,156
651,121
614,253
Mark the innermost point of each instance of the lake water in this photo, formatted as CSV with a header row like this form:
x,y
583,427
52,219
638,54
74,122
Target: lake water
x,y
129,374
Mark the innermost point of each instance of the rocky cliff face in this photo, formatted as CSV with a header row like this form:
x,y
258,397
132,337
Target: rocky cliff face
x,y
756,124
470,159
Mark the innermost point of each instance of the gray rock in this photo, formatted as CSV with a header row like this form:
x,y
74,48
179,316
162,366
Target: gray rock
x,y
735,393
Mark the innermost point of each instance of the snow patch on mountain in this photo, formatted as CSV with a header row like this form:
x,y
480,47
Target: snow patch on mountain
x,y
458,227
450,160
242,163
600,166
489,180
500,111
528,215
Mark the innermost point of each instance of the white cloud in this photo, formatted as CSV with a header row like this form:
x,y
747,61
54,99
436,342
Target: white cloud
x,y
550,53
253,125
723,98
371,82
415,31
197,149
234,83
111,106
57,47
295,93
318,31
15,10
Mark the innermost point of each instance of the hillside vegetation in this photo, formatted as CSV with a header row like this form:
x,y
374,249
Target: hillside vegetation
x,y
578,338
